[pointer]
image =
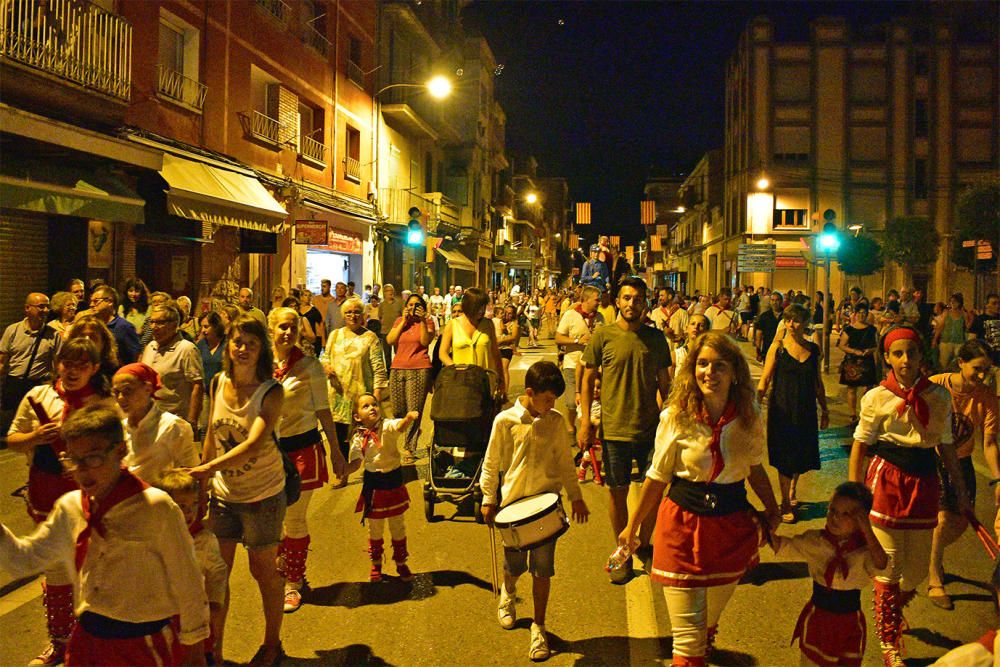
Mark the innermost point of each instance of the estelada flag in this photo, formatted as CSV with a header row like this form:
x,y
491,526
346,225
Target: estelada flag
x,y
583,213
649,212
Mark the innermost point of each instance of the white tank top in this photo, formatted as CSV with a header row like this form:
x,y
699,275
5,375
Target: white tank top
x,y
258,477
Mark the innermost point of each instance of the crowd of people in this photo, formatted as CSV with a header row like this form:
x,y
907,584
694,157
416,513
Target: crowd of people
x,y
148,427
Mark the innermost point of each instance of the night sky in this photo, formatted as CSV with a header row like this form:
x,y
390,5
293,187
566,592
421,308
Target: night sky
x,y
603,92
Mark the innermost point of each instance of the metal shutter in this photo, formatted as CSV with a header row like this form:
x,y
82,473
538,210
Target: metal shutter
x,y
24,264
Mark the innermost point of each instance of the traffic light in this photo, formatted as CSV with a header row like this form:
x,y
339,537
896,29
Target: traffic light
x,y
829,239
414,230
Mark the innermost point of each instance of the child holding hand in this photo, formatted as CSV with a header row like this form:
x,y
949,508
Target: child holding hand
x,y
842,557
383,494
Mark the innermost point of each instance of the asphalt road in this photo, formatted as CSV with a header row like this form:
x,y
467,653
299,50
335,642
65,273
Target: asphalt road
x,y
448,615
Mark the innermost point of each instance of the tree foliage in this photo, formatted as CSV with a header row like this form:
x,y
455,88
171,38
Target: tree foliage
x,y
978,218
860,256
911,241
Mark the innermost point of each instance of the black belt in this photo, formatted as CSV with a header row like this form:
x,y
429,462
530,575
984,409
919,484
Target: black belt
x,y
919,461
300,441
709,498
838,602
103,627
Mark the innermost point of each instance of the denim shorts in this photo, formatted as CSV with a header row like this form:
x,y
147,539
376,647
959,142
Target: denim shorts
x,y
618,457
258,525
540,561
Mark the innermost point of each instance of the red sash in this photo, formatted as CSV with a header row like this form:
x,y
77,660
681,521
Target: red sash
x,y
128,485
910,398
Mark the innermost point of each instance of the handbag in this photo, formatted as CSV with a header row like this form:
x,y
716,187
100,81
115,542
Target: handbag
x,y
293,480
852,369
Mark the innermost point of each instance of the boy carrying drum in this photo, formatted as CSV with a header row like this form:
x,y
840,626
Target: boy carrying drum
x,y
531,446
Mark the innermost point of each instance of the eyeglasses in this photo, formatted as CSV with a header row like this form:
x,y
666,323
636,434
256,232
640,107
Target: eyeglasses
x,y
90,461
356,313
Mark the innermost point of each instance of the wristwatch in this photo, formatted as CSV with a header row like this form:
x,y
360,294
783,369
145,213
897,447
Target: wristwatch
x,y
577,340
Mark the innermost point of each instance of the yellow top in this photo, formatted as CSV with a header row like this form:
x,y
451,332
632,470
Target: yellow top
x,y
474,351
608,313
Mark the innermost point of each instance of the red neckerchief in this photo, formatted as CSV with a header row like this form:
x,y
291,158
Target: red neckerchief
x,y
840,550
73,400
285,367
369,436
588,319
128,485
911,398
728,415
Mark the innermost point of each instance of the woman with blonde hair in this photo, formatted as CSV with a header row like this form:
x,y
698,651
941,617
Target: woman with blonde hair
x,y
63,306
709,442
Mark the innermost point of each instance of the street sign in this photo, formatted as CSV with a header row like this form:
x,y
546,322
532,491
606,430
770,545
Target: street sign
x,y
756,258
790,262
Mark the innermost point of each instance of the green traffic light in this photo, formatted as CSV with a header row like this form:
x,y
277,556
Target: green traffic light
x,y
414,233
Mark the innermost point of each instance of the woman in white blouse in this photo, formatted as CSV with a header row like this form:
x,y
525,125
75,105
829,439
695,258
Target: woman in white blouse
x,y
305,409
709,442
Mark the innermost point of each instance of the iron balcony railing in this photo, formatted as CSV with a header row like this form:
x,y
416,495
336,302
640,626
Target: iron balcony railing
x,y
72,39
355,73
276,8
314,39
311,149
178,87
258,126
352,169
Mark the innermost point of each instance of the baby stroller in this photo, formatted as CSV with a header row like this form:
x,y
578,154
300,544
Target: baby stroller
x,y
462,409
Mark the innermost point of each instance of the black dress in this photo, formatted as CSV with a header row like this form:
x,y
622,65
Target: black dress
x,y
792,425
858,371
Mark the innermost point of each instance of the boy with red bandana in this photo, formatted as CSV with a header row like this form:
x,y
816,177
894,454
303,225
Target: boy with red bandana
x,y
129,552
902,421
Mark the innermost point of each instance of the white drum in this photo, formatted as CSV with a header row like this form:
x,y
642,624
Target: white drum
x,y
532,521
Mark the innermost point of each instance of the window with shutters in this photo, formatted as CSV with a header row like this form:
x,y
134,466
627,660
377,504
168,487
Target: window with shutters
x,y
791,144
177,66
921,122
920,179
792,82
868,83
352,154
868,144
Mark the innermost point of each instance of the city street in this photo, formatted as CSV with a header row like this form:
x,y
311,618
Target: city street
x,y
448,615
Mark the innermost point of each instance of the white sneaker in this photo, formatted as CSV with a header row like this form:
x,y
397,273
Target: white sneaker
x,y
506,612
539,650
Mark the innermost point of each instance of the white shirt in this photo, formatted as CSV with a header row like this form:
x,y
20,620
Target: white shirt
x,y
661,317
678,322
817,552
574,325
213,568
305,394
383,457
722,320
144,569
160,441
879,419
179,366
534,453
682,448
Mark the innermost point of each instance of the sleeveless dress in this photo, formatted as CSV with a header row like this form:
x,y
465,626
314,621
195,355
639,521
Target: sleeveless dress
x,y
792,424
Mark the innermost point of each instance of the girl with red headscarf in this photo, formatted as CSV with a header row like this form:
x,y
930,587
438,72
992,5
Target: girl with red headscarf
x,y
902,421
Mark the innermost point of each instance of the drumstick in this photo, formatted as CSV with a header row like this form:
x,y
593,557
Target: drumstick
x,y
984,536
493,558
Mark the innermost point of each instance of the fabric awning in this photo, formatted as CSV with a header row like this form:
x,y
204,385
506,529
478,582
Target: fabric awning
x,y
68,190
200,191
456,260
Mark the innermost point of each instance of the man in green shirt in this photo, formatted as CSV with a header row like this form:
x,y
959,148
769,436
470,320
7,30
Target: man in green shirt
x,y
634,365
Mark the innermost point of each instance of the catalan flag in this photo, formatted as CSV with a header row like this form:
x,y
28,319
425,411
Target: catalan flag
x,y
583,213
649,212
629,253
574,241
615,241
654,244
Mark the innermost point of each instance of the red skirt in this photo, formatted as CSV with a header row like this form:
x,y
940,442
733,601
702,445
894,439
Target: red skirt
x,y
311,463
694,551
903,501
44,489
831,639
159,649
386,503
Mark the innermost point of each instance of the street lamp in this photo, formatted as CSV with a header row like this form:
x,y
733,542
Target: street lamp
x,y
829,243
439,87
763,183
531,198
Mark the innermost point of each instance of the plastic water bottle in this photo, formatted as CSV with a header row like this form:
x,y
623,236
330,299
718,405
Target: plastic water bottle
x,y
621,556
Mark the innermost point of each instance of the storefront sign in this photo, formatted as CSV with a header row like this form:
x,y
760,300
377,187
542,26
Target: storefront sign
x,y
311,232
790,262
100,242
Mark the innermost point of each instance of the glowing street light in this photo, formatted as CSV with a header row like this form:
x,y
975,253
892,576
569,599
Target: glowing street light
x,y
439,87
763,183
531,198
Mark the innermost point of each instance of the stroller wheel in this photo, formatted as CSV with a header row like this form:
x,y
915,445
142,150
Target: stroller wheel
x,y
478,509
429,507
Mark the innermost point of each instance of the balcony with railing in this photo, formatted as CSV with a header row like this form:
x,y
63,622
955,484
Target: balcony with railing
x,y
314,39
261,128
442,214
72,40
352,169
312,152
356,74
278,9
181,89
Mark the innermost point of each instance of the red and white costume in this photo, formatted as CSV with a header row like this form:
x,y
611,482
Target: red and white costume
x,y
133,567
305,388
831,628
706,537
901,427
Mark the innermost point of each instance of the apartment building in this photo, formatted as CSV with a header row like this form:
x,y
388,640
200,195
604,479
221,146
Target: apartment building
x,y
660,259
858,126
695,255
